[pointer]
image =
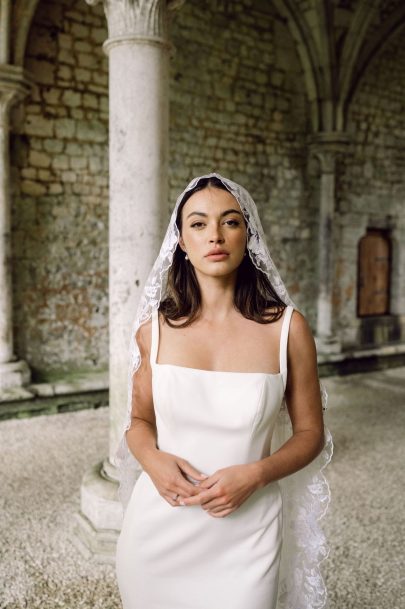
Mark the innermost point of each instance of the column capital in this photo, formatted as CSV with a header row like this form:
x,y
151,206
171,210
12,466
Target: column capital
x,y
326,146
15,84
142,20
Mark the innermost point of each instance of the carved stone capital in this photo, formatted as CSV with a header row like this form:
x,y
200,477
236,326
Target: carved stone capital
x,y
14,86
327,146
326,158
6,101
143,19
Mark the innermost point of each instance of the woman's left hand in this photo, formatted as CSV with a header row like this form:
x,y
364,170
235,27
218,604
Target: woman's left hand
x,y
226,489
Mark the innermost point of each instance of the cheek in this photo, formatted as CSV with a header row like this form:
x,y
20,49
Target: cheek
x,y
191,239
239,240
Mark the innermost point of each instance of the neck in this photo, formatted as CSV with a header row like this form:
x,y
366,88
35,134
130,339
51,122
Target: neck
x,y
217,296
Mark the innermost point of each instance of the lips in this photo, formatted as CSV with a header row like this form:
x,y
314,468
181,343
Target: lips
x,y
217,253
217,257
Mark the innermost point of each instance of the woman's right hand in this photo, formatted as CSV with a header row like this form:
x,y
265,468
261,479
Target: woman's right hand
x,y
168,471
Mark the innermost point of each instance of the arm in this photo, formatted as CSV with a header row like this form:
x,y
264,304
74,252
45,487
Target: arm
x,y
142,435
304,405
167,471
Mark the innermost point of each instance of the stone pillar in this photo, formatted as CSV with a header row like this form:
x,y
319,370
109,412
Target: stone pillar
x,y
398,268
326,147
138,51
13,372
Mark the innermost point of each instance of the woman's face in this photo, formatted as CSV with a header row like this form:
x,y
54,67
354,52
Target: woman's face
x,y
212,221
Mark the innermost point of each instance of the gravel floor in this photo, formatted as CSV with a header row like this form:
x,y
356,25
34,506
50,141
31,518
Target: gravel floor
x,y
44,459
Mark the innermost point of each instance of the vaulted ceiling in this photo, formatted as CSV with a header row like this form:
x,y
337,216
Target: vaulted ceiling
x,y
336,41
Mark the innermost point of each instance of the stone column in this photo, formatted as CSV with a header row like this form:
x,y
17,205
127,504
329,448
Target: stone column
x,y
326,147
138,52
13,372
398,268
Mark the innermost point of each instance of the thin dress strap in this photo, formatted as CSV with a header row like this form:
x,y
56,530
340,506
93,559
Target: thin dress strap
x,y
155,337
283,343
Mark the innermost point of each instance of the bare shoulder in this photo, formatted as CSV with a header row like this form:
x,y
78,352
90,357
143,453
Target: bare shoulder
x,y
144,337
301,343
299,326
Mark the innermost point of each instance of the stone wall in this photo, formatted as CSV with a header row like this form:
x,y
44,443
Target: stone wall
x,y
59,163
238,106
371,189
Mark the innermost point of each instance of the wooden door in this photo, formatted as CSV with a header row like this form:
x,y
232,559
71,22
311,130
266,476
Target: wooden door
x,y
374,266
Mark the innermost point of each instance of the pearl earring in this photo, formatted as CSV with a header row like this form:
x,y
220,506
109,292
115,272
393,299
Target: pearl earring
x,y
186,257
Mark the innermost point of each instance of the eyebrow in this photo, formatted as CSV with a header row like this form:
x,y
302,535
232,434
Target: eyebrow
x,y
224,213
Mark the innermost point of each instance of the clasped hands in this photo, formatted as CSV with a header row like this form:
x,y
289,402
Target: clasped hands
x,y
219,494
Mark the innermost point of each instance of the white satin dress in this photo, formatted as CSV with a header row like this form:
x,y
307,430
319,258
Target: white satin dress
x,y
181,557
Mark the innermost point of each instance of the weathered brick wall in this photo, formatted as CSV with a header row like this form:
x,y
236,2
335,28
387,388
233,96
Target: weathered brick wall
x,y
238,106
60,193
371,189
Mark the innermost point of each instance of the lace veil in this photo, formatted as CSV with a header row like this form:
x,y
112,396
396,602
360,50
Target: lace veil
x,y
305,493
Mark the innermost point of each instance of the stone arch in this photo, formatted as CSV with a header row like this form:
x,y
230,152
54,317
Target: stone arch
x,y
308,54
21,19
354,39
354,72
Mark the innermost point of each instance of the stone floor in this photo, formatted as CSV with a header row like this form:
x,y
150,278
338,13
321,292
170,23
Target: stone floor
x,y
43,460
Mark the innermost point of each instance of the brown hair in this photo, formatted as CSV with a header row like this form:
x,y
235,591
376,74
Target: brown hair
x,y
253,290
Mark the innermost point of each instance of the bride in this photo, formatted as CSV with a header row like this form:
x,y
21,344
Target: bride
x,y
237,372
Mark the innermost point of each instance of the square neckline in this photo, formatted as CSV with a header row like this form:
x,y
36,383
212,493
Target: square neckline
x,y
220,371
282,347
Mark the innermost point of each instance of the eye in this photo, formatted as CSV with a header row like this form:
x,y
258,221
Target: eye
x,y
229,222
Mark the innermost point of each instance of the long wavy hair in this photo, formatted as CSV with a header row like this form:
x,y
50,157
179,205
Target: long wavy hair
x,y
253,296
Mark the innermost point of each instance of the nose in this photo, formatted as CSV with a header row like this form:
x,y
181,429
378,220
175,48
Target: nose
x,y
216,235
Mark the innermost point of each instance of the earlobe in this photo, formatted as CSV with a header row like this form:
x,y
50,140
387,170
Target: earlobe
x,y
181,244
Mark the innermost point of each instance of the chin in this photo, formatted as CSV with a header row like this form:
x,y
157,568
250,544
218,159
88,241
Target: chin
x,y
219,269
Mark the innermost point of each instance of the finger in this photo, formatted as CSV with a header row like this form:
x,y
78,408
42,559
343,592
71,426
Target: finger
x,y
199,499
219,508
220,514
208,482
188,487
216,503
184,488
169,499
191,471
176,483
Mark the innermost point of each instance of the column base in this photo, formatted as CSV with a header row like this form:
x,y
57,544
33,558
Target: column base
x,y
327,344
14,374
98,523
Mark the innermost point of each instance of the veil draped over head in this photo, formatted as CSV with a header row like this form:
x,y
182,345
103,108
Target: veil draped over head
x,y
305,493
